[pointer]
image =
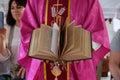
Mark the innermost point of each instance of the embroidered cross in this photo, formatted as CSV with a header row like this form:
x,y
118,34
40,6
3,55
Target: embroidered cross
x,y
56,13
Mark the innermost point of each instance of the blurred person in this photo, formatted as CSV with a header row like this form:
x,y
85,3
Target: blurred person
x,y
114,60
10,39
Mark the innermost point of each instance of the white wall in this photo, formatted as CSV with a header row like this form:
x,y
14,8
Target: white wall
x,y
110,7
111,32
4,8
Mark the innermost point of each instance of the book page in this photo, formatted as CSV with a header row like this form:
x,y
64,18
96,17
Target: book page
x,y
44,40
76,53
69,35
88,42
70,38
84,51
41,42
76,44
54,41
45,55
82,46
33,42
63,38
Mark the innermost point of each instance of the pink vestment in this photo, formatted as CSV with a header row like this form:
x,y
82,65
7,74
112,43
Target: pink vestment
x,y
85,12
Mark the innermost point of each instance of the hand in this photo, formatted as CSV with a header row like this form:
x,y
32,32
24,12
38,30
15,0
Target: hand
x,y
3,31
2,41
21,73
2,35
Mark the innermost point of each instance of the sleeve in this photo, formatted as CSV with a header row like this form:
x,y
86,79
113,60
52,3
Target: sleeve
x,y
8,53
115,43
95,23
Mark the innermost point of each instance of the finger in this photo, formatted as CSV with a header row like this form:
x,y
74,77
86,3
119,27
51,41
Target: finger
x,y
19,72
3,30
23,73
2,36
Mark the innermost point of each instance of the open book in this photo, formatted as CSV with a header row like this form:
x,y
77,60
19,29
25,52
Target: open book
x,y
54,43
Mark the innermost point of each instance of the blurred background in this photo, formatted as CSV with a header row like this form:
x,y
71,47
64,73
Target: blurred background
x,y
111,11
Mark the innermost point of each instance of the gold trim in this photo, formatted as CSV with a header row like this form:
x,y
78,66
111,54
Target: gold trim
x,y
46,12
46,18
68,70
68,63
69,11
45,75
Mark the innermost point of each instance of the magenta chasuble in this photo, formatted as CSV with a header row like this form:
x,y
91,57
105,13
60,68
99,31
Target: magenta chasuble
x,y
88,13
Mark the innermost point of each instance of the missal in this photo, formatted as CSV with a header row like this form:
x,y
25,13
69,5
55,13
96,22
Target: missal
x,y
67,43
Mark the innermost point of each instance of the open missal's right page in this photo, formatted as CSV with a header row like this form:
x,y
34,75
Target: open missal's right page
x,y
68,38
80,46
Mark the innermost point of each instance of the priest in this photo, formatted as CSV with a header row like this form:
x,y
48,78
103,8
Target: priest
x,y
87,13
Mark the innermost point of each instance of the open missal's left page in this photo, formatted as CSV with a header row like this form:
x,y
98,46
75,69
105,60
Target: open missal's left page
x,y
40,44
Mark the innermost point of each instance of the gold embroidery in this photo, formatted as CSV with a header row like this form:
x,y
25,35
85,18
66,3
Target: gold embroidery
x,y
57,71
46,12
45,75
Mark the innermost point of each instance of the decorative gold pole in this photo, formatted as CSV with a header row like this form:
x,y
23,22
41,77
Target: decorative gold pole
x,y
57,12
69,11
46,12
45,75
46,19
68,63
68,70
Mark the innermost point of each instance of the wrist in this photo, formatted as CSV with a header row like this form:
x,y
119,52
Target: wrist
x,y
5,55
3,51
